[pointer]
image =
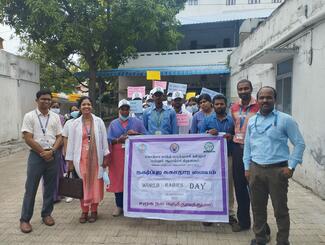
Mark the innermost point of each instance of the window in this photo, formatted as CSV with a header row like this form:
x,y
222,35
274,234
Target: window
x,y
276,1
226,42
284,86
193,44
254,1
193,2
230,2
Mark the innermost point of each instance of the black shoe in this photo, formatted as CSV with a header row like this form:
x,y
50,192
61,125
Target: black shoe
x,y
237,228
232,220
254,242
267,233
207,223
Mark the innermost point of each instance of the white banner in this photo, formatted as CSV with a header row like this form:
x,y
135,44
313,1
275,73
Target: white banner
x,y
210,92
183,177
177,87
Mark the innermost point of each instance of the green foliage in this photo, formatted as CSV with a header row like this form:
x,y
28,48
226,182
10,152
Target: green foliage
x,y
51,76
102,32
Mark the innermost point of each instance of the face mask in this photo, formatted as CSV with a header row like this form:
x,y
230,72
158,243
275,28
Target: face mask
x,y
195,108
192,108
56,110
74,114
106,178
123,118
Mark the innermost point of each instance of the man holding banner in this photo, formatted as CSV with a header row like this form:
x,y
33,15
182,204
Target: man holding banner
x,y
220,122
159,119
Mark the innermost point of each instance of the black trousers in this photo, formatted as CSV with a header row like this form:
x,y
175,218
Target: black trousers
x,y
37,168
241,187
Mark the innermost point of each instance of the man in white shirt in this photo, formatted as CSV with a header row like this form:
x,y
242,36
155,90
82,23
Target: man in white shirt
x,y
184,118
42,133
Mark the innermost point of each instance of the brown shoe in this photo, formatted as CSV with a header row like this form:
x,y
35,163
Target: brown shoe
x,y
117,212
83,218
25,227
93,217
48,220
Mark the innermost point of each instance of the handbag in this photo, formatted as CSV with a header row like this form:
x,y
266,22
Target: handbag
x,y
70,187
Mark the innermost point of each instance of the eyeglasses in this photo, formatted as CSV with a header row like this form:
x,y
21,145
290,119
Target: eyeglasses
x,y
42,99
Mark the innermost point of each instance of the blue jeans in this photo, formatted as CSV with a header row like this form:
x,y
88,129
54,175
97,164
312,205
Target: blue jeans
x,y
37,168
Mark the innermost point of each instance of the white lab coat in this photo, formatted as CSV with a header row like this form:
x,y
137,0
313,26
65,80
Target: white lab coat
x,y
75,143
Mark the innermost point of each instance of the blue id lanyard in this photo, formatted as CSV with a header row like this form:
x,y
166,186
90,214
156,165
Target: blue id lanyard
x,y
157,118
242,118
41,124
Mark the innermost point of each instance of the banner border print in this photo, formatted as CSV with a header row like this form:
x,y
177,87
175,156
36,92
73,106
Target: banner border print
x,y
224,194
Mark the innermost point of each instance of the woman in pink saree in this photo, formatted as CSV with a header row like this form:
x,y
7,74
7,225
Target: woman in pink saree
x,y
86,152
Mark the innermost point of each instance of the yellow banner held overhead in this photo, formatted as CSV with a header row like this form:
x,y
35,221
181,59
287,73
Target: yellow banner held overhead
x,y
55,95
153,75
190,95
74,97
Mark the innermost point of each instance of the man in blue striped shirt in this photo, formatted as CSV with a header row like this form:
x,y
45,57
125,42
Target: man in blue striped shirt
x,y
269,164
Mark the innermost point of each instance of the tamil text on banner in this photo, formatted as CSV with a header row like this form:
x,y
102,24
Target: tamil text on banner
x,y
176,178
153,75
182,119
210,92
162,84
177,87
132,90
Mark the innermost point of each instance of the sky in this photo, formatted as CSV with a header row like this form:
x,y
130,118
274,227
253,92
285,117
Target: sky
x,y
11,42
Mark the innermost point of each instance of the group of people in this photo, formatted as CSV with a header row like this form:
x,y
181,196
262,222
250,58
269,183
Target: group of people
x,y
259,160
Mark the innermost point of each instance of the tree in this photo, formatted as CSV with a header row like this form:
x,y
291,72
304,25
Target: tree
x,y
102,32
51,76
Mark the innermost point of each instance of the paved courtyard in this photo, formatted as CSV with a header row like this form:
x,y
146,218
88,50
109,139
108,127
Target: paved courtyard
x,y
306,209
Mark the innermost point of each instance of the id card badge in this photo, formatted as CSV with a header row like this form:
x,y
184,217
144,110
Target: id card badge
x,y
239,136
158,132
45,144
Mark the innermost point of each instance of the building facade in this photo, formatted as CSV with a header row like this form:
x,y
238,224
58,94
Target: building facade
x,y
287,52
19,82
211,31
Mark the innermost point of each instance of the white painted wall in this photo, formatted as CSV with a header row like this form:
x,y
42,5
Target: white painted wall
x,y
289,27
208,7
19,82
180,58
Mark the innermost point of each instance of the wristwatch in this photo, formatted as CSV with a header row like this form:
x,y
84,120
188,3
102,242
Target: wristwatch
x,y
54,151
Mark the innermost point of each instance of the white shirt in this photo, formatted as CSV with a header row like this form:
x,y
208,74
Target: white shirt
x,y
75,143
35,122
67,127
